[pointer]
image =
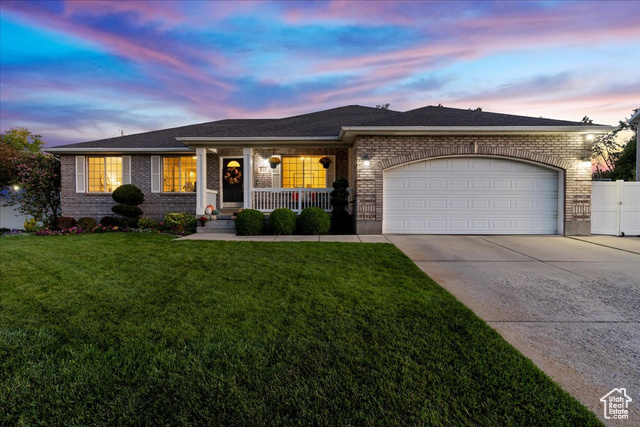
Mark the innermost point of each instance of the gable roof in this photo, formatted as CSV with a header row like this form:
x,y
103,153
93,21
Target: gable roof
x,y
337,125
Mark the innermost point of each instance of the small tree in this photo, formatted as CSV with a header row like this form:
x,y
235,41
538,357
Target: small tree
x,y
38,176
21,139
609,149
340,219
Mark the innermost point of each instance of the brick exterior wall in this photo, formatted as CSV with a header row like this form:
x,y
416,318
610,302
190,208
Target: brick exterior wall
x,y
263,180
97,205
563,151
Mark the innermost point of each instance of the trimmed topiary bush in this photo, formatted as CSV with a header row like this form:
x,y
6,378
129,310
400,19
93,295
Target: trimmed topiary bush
x,y
128,197
128,194
314,221
65,222
127,211
341,222
250,222
282,221
87,223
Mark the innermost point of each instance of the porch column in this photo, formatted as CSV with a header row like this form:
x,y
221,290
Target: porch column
x,y
247,153
201,180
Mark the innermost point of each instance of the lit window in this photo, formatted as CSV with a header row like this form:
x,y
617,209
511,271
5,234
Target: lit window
x,y
104,174
179,174
306,172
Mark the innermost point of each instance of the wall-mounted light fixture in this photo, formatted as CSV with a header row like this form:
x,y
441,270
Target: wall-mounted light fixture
x,y
590,137
365,161
585,161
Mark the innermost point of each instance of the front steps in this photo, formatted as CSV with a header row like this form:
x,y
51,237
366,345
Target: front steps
x,y
219,226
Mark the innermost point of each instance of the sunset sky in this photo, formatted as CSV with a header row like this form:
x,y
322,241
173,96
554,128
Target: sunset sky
x,y
82,70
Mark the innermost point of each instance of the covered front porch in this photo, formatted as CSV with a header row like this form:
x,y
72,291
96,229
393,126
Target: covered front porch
x,y
233,178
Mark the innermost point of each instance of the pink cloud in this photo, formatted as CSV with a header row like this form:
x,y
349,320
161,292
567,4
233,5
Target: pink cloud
x,y
145,12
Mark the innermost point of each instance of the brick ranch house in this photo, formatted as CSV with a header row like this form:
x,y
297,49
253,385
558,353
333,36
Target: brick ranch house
x,y
433,170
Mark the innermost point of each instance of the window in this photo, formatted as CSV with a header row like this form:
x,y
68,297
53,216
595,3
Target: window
x,y
179,174
104,174
304,172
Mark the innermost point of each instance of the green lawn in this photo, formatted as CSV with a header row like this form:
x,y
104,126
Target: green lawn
x,y
137,329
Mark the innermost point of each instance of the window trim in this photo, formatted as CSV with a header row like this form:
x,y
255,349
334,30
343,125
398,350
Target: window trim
x,y
330,171
87,172
162,158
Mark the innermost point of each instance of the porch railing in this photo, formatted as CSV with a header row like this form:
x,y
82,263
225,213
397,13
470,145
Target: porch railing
x,y
296,199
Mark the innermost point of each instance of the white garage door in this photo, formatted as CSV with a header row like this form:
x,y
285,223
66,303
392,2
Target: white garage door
x,y
470,195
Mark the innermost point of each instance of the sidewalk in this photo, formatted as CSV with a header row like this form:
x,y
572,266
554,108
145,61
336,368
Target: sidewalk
x,y
349,238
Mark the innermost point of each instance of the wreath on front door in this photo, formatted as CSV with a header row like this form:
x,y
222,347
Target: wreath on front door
x,y
233,176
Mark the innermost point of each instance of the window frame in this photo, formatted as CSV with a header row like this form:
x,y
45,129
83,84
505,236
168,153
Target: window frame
x,y
329,172
180,184
87,173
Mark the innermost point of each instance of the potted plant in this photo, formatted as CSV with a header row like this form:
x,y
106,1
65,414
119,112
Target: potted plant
x,y
274,162
325,161
202,220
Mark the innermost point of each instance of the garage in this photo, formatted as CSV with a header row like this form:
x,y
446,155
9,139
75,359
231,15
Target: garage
x,y
470,195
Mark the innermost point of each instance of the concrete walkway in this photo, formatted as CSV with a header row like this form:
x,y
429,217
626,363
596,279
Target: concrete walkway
x,y
572,305
349,238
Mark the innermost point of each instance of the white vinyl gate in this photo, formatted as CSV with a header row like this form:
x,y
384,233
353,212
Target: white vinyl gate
x,y
615,208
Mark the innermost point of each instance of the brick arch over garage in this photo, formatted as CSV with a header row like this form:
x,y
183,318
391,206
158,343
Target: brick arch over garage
x,y
479,150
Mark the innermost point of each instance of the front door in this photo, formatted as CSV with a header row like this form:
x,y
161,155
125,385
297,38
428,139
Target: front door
x,y
232,182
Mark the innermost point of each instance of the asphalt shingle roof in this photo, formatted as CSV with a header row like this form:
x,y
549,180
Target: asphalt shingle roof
x,y
326,123
166,138
443,116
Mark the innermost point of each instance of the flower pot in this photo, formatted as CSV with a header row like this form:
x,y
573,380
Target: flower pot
x,y
202,223
273,165
326,165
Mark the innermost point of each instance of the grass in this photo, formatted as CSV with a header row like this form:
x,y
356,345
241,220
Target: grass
x,y
135,329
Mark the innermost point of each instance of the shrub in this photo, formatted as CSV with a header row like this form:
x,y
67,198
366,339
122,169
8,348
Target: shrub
x,y
147,223
314,221
282,221
31,225
87,223
128,197
65,223
109,221
180,223
128,194
249,222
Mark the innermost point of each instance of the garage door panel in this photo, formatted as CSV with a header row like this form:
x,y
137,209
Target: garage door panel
x,y
470,195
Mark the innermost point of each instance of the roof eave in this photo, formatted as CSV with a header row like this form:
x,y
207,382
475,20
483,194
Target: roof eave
x,y
271,141
349,133
635,118
116,150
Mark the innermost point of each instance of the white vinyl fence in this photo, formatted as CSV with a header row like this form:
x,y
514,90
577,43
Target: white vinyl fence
x,y
615,208
11,218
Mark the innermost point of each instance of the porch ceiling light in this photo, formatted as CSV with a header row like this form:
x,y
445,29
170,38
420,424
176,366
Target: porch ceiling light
x,y
233,164
365,161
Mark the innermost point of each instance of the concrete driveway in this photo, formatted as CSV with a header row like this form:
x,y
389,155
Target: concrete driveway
x,y
570,305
